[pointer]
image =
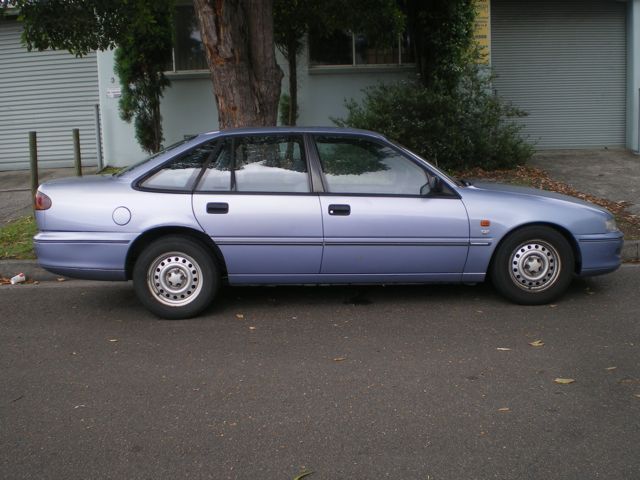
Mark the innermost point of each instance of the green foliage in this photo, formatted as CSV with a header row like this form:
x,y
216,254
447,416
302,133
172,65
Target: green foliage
x,y
460,129
141,29
285,105
381,20
140,60
78,26
442,34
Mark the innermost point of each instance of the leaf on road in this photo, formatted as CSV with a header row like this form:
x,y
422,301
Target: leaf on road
x,y
610,368
113,339
637,395
504,409
302,475
252,328
537,343
564,381
61,279
553,305
239,316
629,381
339,359
503,349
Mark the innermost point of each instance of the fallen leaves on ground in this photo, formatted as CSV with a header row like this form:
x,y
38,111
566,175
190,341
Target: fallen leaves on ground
x,y
564,381
339,359
504,409
239,316
610,368
628,381
5,281
503,349
252,328
538,178
537,343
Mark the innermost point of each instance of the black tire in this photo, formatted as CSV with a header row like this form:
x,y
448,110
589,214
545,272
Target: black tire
x,y
176,277
533,266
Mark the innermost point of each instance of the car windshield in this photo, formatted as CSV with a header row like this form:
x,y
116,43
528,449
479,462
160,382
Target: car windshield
x,y
155,155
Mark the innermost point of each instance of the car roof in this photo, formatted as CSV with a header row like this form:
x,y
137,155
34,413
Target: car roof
x,y
294,129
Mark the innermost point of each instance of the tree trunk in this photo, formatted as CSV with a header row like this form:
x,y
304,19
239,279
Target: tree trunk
x,y
237,36
293,83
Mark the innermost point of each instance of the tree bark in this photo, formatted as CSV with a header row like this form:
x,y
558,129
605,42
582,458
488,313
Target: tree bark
x,y
238,40
293,82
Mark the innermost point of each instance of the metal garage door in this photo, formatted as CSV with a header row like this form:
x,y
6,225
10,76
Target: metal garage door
x,y
564,62
50,92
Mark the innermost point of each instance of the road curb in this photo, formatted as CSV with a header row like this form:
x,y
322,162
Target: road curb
x,y
33,271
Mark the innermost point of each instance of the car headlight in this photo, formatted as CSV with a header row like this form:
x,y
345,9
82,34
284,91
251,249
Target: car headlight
x,y
611,225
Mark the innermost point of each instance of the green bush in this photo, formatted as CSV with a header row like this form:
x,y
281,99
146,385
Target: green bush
x,y
469,127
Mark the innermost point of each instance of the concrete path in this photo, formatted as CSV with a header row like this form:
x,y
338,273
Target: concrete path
x,y
613,174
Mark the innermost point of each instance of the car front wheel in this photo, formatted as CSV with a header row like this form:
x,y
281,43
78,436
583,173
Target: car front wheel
x,y
175,277
533,266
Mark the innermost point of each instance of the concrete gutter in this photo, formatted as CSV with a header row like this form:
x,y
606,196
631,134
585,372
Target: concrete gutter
x,y
33,271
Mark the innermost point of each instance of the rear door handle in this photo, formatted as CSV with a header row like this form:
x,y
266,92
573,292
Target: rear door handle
x,y
217,207
343,210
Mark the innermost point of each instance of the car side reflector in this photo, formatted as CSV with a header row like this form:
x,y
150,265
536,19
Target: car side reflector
x,y
42,202
485,223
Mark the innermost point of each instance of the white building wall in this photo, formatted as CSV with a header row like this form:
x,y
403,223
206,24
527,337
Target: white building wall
x,y
188,106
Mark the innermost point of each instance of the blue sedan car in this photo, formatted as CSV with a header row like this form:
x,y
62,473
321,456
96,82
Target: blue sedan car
x,y
312,206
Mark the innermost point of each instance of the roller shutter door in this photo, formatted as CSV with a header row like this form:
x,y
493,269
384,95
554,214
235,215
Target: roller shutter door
x,y
564,62
50,92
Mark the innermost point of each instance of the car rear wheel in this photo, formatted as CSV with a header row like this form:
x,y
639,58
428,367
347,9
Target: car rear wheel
x,y
175,277
533,266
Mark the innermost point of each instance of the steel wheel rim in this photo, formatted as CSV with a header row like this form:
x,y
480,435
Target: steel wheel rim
x,y
174,279
534,266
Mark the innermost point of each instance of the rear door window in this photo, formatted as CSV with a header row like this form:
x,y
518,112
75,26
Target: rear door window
x,y
266,163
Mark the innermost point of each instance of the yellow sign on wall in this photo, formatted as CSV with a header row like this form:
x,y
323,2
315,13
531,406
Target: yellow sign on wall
x,y
482,29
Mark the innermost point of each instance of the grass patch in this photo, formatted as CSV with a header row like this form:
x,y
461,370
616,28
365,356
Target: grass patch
x,y
16,239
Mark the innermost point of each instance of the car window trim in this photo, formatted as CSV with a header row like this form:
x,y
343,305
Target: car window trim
x,y
232,138
136,184
325,189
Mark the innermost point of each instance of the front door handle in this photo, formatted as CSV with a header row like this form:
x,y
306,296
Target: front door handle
x,y
343,210
215,207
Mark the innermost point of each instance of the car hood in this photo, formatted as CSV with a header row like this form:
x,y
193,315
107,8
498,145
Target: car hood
x,y
534,192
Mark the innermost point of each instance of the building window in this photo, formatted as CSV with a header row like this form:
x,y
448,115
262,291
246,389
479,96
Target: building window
x,y
188,51
343,48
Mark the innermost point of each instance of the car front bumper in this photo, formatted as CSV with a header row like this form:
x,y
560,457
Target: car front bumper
x,y
87,255
600,253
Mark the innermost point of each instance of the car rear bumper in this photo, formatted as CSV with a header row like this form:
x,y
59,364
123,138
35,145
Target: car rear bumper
x,y
600,253
87,255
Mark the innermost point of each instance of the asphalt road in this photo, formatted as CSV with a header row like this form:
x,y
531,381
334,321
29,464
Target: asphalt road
x,y
346,382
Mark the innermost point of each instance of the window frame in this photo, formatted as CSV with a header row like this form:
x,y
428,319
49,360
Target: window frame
x,y
447,191
354,66
137,184
174,72
232,138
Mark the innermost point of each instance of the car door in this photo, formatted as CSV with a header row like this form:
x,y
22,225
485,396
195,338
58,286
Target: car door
x,y
254,199
381,220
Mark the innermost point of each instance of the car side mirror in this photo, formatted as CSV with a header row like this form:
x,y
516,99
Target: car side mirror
x,y
433,185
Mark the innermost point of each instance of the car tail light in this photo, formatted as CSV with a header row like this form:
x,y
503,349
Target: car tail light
x,y
42,202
